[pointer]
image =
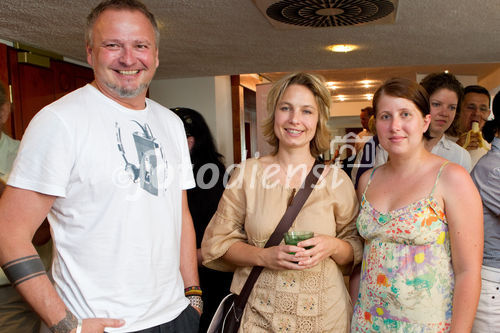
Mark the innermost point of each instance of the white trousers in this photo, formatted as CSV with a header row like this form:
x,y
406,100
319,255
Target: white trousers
x,y
488,311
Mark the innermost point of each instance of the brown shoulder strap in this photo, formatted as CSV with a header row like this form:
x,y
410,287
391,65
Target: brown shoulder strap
x,y
286,222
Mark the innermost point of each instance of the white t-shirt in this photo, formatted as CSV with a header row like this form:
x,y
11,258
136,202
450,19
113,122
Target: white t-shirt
x,y
118,175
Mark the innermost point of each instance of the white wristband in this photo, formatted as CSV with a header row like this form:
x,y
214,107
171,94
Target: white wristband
x,y
79,326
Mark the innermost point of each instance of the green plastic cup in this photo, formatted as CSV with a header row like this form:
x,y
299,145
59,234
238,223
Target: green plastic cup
x,y
295,237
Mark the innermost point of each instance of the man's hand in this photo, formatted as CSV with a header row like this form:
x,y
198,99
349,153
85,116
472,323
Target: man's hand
x,y
474,140
200,311
97,325
193,294
69,324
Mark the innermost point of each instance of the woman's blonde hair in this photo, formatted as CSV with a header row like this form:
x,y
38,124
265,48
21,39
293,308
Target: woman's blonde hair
x,y
321,141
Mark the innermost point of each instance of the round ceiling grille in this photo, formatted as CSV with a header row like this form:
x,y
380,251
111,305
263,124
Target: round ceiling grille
x,y
329,13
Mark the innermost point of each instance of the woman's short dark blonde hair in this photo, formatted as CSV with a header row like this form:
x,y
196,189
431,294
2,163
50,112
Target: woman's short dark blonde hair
x,y
321,141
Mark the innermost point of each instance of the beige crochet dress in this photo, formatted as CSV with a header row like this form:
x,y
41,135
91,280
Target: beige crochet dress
x,y
312,300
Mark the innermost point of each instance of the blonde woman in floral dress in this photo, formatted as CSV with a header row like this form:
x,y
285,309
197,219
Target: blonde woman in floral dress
x,y
305,291
421,220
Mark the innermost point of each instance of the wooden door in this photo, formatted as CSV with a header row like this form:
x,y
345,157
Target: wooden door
x,y
35,87
4,80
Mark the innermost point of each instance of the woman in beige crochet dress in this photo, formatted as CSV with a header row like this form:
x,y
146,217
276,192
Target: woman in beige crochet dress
x,y
305,291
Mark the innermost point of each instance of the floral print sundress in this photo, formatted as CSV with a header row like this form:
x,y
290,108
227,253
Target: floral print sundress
x,y
406,276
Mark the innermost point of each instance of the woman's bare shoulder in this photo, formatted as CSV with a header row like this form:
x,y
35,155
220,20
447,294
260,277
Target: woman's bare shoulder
x,y
363,182
453,173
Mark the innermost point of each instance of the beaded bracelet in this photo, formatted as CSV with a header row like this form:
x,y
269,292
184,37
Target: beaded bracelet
x,y
193,291
196,302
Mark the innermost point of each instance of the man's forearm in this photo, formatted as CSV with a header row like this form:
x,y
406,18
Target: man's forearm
x,y
188,259
43,298
19,257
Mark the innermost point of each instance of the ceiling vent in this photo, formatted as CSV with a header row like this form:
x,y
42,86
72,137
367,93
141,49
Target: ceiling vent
x,y
289,14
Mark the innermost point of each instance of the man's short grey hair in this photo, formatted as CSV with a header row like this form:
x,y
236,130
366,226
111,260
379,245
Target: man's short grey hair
x,y
120,5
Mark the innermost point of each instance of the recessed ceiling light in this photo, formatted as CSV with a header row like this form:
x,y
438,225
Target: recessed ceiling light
x,y
366,83
331,85
342,48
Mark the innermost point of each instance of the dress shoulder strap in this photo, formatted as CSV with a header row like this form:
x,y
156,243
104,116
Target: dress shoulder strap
x,y
438,175
369,180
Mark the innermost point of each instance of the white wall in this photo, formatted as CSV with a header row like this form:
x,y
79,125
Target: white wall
x,y
194,93
211,96
224,118
492,83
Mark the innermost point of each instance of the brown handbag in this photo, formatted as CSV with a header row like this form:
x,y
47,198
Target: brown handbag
x,y
227,318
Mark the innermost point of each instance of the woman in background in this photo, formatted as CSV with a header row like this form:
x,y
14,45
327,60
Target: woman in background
x,y
445,96
486,176
422,223
208,170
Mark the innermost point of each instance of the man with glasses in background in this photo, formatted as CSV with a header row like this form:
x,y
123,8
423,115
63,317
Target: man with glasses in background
x,y
475,108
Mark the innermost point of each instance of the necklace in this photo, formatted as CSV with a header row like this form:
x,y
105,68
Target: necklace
x,y
384,217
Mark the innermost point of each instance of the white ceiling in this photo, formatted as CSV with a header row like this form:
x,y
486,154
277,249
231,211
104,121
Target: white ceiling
x,y
223,37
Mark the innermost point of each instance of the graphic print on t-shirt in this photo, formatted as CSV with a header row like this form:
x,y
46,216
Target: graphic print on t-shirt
x,y
151,170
